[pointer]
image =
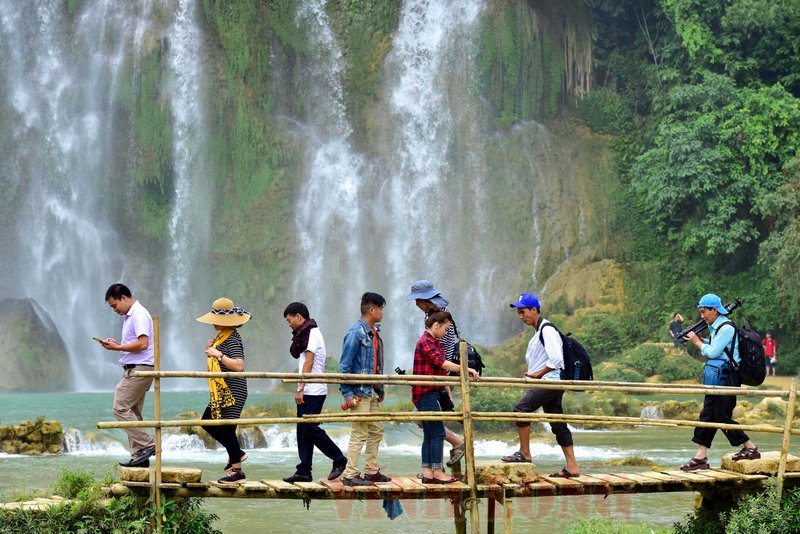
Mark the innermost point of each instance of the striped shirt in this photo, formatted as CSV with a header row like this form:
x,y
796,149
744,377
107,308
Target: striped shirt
x,y
234,349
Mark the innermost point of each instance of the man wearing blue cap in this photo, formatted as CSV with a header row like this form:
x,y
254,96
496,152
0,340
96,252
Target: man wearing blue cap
x,y
429,300
545,360
717,408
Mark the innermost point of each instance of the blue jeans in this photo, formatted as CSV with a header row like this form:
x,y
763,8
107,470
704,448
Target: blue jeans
x,y
432,432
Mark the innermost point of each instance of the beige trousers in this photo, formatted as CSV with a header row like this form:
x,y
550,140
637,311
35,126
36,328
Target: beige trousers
x,y
128,402
370,433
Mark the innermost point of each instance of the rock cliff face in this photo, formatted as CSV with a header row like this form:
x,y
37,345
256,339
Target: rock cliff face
x,y
31,437
35,355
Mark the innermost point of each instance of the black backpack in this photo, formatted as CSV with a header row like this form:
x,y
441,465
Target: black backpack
x,y
752,367
577,365
474,360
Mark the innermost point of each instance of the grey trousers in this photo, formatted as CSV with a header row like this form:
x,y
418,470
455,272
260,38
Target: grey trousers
x,y
128,402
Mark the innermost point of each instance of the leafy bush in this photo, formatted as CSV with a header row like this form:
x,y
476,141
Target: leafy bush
x,y
673,367
645,358
616,372
603,335
89,512
602,525
754,514
71,484
604,111
494,400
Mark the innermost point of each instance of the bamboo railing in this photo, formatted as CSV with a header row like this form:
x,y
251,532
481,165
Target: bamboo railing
x,y
466,415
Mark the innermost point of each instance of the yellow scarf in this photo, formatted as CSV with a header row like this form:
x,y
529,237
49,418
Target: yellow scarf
x,y
221,396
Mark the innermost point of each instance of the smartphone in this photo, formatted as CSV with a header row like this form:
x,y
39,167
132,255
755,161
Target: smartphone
x,y
98,340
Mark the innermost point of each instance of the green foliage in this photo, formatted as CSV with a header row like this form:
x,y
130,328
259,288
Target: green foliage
x,y
91,513
603,335
602,525
71,484
616,372
613,403
679,367
494,400
753,514
644,359
605,111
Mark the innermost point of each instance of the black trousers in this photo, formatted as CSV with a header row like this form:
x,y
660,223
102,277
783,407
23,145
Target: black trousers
x,y
550,401
310,435
226,435
718,409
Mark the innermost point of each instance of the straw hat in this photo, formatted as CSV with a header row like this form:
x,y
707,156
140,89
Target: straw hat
x,y
224,313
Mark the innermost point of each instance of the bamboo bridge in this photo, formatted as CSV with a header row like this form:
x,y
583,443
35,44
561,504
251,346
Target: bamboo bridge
x,y
465,496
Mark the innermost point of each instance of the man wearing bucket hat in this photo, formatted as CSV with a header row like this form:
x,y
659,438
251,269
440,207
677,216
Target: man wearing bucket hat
x,y
225,353
429,300
545,361
136,346
717,408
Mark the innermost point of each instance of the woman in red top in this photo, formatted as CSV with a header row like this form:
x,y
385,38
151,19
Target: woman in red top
x,y
429,359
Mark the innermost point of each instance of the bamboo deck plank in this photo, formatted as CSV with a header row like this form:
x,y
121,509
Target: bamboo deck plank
x,y
664,477
641,480
743,476
197,485
721,476
615,482
541,489
563,486
692,476
252,485
334,486
281,486
408,485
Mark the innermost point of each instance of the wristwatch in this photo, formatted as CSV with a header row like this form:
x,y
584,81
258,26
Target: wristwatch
x,y
300,388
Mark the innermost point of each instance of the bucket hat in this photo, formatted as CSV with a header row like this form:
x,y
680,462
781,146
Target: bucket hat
x,y
423,289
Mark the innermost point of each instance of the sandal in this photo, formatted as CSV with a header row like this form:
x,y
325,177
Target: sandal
x,y
746,454
696,464
456,454
516,458
564,473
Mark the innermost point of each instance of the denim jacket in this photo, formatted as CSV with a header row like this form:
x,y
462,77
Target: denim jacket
x,y
358,358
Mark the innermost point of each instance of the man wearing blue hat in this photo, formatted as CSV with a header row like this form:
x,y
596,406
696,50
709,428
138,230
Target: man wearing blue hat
x,y
717,408
429,299
545,360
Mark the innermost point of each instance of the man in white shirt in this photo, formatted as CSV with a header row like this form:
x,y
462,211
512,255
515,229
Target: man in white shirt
x,y
308,347
545,361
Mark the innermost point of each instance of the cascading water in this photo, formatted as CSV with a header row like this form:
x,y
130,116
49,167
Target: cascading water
x,y
330,215
57,107
65,145
190,221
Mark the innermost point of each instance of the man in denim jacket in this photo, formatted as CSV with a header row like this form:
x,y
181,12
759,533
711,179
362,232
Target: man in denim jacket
x,y
362,353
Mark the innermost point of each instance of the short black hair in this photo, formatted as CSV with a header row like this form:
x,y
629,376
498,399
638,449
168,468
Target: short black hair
x,y
296,308
369,300
438,316
117,291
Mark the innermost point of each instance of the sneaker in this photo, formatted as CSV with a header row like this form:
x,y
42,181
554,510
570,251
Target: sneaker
x,y
242,458
746,454
297,478
235,476
357,481
337,471
140,458
456,454
377,477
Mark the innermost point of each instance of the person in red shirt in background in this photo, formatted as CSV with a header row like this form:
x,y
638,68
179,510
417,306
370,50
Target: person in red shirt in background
x,y
770,352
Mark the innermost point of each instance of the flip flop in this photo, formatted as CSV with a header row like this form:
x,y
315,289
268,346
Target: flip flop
x,y
564,473
516,458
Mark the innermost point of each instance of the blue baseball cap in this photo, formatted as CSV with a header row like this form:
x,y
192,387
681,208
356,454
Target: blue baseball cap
x,y
710,300
526,300
423,289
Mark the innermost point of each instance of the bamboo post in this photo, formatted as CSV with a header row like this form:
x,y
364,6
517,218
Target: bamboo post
x,y
469,455
787,432
157,416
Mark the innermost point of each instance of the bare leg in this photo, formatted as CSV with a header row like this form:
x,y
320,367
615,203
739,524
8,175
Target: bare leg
x,y
525,441
702,452
569,456
452,438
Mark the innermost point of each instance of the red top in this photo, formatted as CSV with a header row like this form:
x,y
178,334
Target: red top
x,y
428,360
769,347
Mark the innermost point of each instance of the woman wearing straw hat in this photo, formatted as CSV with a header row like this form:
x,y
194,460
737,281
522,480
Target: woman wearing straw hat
x,y
225,353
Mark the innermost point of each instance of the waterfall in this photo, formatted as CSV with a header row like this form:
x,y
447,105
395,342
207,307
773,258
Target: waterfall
x,y
190,222
58,84
329,219
66,175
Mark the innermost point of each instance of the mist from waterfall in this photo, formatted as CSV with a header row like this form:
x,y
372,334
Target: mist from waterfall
x,y
190,220
66,142
59,85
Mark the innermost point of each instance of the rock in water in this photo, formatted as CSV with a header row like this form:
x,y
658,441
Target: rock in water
x,y
35,354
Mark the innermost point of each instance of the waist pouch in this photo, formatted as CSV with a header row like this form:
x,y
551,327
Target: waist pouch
x,y
716,373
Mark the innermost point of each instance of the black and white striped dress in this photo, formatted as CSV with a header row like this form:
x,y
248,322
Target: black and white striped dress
x,y
233,348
